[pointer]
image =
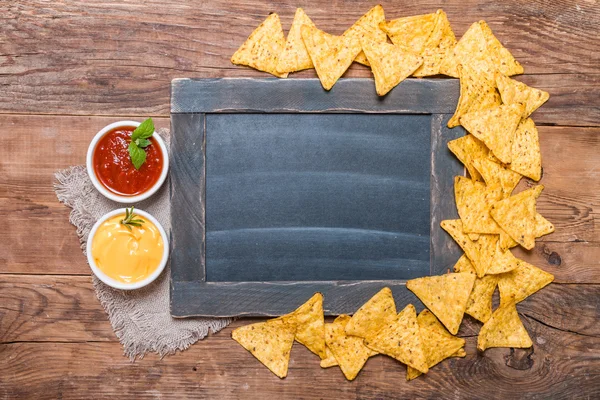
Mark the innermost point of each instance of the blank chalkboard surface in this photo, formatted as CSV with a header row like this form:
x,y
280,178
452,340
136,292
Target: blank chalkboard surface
x,y
293,190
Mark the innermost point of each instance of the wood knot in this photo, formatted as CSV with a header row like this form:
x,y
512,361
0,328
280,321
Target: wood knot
x,y
519,359
554,258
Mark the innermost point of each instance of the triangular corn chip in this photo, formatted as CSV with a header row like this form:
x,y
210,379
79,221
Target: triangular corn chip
x,y
270,342
522,282
390,64
400,339
331,55
473,202
410,33
349,351
477,92
311,325
263,47
439,44
506,242
329,360
479,305
503,261
488,245
495,127
446,296
367,27
526,155
455,228
504,329
467,149
377,312
294,56
464,265
542,226
516,216
497,175
481,49
512,91
438,344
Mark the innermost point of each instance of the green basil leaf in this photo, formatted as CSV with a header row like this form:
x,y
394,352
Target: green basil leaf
x,y
144,131
138,155
142,142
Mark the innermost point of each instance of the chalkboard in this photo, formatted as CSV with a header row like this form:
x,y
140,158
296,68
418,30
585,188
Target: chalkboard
x,y
280,189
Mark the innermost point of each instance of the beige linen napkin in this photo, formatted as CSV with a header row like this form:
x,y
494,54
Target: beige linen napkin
x,y
140,318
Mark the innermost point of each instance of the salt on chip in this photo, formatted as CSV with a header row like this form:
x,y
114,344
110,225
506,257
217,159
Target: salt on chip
x,y
516,216
439,44
331,55
263,47
512,91
523,281
401,339
367,27
270,342
468,149
390,64
497,175
377,312
473,202
350,352
504,329
438,344
329,360
526,154
311,325
446,296
454,227
294,56
410,33
495,127
481,49
477,92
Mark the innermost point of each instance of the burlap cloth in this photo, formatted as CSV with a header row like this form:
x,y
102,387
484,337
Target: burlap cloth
x,y
140,318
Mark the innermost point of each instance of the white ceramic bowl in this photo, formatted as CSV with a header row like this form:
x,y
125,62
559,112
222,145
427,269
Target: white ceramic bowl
x,y
114,196
110,281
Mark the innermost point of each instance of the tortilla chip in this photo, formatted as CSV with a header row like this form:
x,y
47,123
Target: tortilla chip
x,y
349,351
542,226
512,91
479,305
377,312
464,265
481,49
495,127
467,149
390,64
473,202
438,344
294,56
445,295
270,342
526,154
311,325
410,33
367,27
503,261
503,329
516,216
401,339
455,228
331,55
477,93
522,282
439,44
497,175
329,360
263,47
487,251
506,242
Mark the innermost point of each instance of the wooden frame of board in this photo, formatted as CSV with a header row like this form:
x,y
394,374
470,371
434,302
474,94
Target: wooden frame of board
x,y
192,100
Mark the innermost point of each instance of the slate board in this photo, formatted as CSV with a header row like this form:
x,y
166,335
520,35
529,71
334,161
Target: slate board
x,y
280,189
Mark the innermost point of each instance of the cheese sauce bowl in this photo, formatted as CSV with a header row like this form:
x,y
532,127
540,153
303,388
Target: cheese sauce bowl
x,y
125,258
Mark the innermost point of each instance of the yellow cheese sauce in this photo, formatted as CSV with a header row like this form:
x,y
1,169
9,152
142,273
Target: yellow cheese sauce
x,y
127,256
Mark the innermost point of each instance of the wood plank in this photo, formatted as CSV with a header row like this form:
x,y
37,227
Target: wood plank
x,y
560,365
51,308
32,214
120,58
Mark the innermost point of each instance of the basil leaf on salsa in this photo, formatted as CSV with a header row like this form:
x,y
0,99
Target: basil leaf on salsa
x,y
144,131
138,155
142,142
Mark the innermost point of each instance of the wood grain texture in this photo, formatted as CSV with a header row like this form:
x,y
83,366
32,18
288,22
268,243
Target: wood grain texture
x,y
119,59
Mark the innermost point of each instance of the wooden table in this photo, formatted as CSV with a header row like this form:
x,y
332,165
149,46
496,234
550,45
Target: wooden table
x,y
67,68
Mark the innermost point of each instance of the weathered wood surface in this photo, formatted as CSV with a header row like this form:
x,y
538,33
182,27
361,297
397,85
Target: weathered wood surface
x,y
92,58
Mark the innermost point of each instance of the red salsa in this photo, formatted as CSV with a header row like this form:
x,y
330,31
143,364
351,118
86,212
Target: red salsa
x,y
114,168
